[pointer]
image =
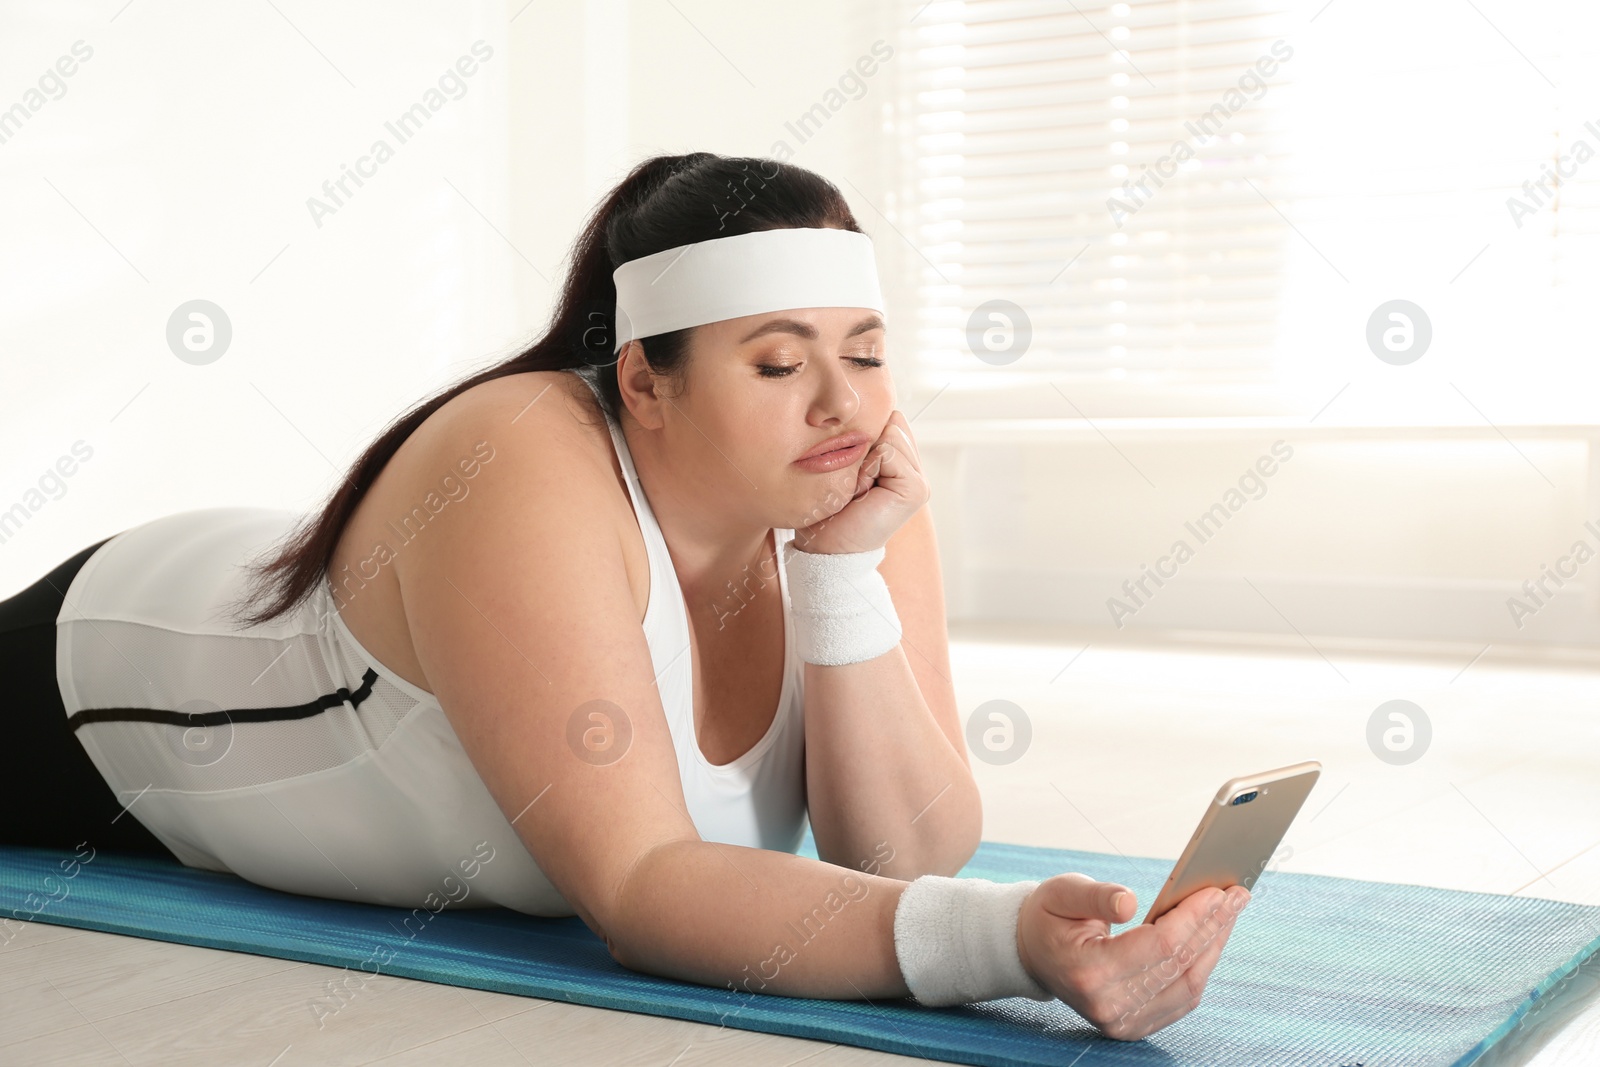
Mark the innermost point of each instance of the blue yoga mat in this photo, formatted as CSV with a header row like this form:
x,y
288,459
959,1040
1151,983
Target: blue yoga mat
x,y
1326,971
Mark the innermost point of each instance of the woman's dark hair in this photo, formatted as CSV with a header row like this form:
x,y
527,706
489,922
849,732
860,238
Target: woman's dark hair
x,y
664,202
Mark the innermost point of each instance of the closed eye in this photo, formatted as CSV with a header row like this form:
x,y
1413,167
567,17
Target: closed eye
x,y
770,370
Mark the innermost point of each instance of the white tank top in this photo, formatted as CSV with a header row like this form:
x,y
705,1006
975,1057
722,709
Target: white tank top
x,y
311,767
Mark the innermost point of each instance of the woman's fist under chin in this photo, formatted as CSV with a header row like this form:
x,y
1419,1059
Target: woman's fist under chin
x,y
889,488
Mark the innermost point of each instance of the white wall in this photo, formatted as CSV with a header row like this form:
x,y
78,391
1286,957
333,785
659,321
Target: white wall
x,y
177,164
1420,540
600,86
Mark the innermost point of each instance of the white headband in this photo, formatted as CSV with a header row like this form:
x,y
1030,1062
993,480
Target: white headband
x,y
730,277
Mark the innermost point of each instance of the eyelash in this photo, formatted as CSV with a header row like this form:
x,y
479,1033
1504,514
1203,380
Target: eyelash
x,y
766,369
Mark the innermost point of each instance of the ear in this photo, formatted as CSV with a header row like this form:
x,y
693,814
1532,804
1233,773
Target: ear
x,y
638,386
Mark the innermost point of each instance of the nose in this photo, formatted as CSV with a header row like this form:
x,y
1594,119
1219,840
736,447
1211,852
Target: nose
x,y
836,399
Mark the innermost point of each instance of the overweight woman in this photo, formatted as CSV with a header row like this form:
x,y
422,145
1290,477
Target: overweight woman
x,y
595,631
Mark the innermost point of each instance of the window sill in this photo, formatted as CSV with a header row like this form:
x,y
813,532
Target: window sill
x,y
958,431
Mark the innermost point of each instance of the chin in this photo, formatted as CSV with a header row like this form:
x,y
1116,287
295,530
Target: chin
x,y
820,503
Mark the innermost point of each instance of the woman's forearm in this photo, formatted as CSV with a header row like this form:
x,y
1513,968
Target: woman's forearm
x,y
880,769
759,921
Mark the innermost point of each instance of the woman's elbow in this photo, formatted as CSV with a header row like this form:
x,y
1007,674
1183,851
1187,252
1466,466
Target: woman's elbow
x,y
943,854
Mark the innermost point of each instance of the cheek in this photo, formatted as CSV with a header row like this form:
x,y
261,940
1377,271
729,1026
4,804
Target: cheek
x,y
875,412
750,440
877,401
772,430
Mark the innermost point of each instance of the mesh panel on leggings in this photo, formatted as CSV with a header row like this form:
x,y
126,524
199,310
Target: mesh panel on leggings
x,y
143,666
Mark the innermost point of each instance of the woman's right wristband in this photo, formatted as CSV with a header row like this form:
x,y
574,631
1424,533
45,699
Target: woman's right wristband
x,y
956,940
840,604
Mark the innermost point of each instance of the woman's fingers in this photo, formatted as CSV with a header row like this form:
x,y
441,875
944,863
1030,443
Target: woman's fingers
x,y
870,518
1233,903
1177,999
872,464
1186,950
1077,896
902,435
1138,981
892,462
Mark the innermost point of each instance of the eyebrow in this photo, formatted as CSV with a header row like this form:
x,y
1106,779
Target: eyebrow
x,y
806,330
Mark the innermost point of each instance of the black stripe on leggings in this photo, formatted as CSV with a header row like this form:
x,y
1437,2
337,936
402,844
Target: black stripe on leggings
x,y
217,718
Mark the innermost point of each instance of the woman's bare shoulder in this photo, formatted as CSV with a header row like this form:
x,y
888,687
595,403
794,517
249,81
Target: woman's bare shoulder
x,y
540,439
547,418
546,399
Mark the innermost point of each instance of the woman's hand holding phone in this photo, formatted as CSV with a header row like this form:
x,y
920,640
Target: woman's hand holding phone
x,y
1135,983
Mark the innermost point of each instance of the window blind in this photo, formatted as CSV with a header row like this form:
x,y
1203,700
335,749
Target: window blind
x,y
1205,194
1088,164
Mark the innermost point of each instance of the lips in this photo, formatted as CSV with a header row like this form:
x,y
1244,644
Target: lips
x,y
835,454
837,444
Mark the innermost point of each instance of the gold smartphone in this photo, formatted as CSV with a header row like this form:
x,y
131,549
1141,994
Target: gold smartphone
x,y
1238,833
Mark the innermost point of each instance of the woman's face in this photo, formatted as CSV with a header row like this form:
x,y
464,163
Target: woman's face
x,y
766,389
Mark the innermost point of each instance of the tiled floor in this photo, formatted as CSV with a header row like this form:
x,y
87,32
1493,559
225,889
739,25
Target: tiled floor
x,y
1128,743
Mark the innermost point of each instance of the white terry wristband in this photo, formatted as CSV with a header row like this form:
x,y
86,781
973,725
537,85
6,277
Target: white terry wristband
x,y
956,940
841,606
